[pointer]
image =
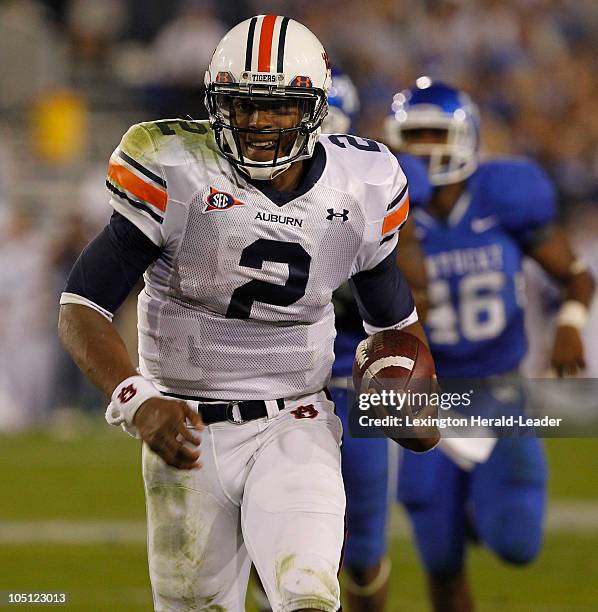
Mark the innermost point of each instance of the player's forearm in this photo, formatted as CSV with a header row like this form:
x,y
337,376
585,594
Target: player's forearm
x,y
580,287
555,255
95,346
416,279
411,262
416,329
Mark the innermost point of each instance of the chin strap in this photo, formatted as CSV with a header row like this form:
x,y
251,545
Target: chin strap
x,y
375,585
267,173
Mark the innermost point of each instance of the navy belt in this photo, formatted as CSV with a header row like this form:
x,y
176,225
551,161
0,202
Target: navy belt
x,y
235,411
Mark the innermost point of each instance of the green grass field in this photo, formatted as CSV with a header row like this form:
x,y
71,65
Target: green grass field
x,y
72,512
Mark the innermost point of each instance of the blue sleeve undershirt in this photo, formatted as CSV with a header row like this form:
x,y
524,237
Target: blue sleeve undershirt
x,y
112,264
382,294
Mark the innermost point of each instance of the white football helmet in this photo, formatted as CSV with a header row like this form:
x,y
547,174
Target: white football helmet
x,y
268,58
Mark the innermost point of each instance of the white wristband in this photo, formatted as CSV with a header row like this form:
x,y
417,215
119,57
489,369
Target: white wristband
x,y
573,314
578,266
130,394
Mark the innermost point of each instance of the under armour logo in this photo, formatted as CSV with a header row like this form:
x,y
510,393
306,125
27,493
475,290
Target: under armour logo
x,y
301,81
344,215
305,412
127,393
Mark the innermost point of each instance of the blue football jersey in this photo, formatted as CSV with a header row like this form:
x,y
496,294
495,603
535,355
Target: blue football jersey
x,y
473,259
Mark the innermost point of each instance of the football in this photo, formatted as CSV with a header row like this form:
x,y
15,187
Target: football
x,y
394,361
393,358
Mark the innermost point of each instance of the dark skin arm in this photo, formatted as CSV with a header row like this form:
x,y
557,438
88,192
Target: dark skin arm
x,y
554,254
411,262
98,350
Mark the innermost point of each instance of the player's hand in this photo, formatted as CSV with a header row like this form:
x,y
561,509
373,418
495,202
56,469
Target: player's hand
x,y
567,353
424,437
162,424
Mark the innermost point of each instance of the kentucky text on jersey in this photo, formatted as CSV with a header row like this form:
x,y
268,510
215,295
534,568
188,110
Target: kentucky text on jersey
x,y
465,261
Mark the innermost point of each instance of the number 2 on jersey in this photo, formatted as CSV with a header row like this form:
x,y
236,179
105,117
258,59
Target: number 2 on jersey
x,y
253,256
366,145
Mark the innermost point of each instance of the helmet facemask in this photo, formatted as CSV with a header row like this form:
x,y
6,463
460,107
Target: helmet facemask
x,y
292,116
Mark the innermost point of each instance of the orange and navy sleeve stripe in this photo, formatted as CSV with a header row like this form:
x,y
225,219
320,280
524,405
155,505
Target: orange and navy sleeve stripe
x,y
137,185
397,212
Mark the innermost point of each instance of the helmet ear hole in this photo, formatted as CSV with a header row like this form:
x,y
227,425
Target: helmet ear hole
x,y
299,75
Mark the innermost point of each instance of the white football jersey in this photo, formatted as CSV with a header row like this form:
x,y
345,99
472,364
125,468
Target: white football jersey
x,y
238,306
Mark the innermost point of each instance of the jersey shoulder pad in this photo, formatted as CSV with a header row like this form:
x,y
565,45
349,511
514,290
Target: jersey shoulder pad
x,y
420,188
136,181
518,191
139,168
369,171
176,140
365,160
371,174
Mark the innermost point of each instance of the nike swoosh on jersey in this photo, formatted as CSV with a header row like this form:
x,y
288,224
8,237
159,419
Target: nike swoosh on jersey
x,y
484,224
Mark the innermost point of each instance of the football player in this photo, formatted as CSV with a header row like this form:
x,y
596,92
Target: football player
x,y
242,227
482,219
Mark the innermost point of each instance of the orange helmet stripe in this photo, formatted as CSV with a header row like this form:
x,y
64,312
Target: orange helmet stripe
x,y
265,49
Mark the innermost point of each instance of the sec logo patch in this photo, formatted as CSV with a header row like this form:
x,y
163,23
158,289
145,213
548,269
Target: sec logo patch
x,y
220,200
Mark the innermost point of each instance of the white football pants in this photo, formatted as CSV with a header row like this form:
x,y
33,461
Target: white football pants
x,y
270,492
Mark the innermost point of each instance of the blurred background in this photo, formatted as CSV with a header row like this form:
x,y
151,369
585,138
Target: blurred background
x,y
75,75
